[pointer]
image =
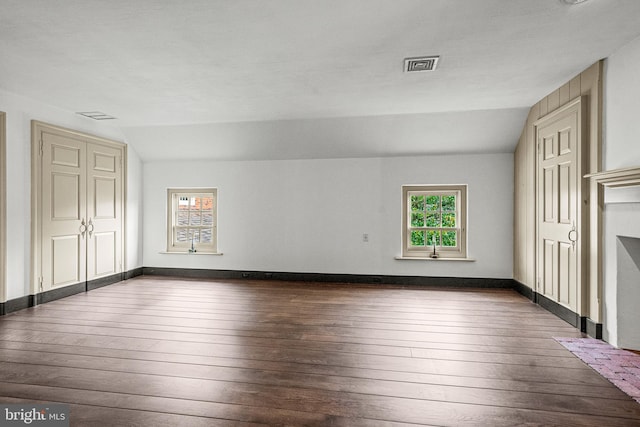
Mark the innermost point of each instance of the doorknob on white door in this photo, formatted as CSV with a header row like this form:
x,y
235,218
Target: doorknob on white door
x,y
90,228
83,228
573,235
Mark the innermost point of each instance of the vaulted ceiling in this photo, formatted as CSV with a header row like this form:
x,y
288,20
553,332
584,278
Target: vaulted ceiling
x,y
261,79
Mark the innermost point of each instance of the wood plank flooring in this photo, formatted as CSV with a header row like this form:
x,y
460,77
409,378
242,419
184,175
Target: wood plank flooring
x,y
156,351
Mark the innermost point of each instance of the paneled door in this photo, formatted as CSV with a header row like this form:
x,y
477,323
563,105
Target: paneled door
x,y
104,222
64,207
559,190
79,207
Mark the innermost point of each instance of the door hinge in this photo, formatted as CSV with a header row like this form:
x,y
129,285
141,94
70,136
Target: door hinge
x,y
41,147
40,283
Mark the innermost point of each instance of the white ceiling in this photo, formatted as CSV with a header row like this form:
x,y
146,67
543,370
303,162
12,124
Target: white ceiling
x,y
180,74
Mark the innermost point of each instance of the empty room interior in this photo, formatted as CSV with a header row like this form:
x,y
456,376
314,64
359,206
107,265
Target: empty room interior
x,y
320,212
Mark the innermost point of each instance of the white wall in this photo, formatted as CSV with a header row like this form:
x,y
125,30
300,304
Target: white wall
x,y
20,111
621,149
309,215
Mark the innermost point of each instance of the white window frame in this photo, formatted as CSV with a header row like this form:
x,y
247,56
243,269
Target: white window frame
x,y
173,197
442,252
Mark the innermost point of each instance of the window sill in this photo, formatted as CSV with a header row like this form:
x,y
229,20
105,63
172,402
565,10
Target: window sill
x,y
415,258
191,253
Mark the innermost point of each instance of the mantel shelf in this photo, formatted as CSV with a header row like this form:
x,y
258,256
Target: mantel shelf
x,y
626,177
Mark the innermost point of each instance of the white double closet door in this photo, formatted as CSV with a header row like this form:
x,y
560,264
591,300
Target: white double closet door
x,y
81,209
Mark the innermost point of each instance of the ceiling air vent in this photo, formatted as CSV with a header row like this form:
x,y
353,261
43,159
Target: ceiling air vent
x,y
96,115
419,65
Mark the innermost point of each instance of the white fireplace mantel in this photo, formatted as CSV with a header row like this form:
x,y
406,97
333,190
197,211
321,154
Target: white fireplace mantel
x,y
618,185
615,178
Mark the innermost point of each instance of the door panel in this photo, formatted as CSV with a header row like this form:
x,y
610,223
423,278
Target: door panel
x,y
65,253
63,207
105,259
104,211
559,175
566,185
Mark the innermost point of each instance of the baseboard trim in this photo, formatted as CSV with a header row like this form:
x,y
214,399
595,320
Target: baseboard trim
x,y
55,294
593,329
524,290
584,324
454,282
16,304
559,310
105,281
133,273
59,293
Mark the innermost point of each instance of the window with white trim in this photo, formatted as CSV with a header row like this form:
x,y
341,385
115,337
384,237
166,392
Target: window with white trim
x,y
192,220
434,221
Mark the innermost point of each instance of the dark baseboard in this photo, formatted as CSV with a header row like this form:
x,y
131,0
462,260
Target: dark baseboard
x,y
584,324
59,293
593,329
561,311
457,282
16,304
524,290
104,281
133,273
55,294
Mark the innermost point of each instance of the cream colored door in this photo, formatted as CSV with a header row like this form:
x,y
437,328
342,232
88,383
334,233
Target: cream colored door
x,y
558,206
63,241
77,204
104,211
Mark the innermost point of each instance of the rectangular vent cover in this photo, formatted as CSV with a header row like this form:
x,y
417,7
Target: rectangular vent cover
x,y
422,64
96,115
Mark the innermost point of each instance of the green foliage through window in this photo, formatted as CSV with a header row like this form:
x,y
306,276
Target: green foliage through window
x,y
430,212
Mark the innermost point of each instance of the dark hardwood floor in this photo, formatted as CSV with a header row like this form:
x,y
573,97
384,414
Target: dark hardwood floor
x,y
172,352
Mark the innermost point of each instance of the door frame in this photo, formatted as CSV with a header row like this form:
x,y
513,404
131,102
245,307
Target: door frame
x,y
37,128
3,207
582,216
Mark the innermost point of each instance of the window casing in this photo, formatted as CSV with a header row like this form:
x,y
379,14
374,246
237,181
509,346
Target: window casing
x,y
434,216
192,220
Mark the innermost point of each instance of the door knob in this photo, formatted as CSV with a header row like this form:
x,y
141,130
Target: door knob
x,y
90,228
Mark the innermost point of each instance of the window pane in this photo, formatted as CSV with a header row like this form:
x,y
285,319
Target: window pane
x,y
183,217
449,203
195,235
207,203
205,235
433,203
195,218
449,238
207,218
181,235
417,203
449,219
433,219
433,238
417,238
417,219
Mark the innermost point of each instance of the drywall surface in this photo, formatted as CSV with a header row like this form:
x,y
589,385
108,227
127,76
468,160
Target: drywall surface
x,y
622,150
310,215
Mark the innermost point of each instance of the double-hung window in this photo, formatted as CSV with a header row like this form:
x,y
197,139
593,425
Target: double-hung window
x,y
192,220
434,221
